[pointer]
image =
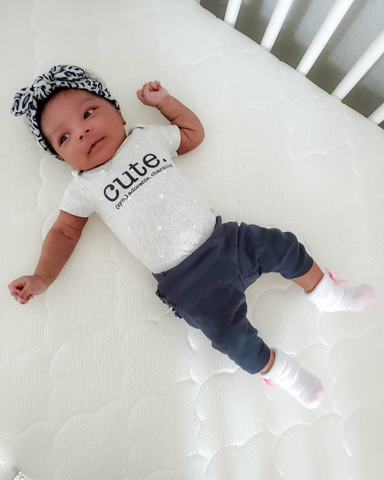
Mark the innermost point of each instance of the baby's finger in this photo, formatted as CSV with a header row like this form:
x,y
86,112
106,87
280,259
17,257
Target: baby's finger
x,y
15,285
15,292
153,85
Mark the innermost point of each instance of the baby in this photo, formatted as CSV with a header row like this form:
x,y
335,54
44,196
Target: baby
x,y
202,265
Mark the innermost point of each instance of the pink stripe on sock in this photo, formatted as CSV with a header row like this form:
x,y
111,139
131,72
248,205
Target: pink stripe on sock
x,y
338,281
268,382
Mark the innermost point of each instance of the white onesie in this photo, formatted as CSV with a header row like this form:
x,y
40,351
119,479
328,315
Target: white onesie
x,y
155,211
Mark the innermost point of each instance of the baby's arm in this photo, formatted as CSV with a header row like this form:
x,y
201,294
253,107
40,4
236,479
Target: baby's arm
x,y
191,129
58,246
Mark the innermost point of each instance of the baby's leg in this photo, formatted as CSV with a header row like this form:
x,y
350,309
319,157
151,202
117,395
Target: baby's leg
x,y
231,333
310,280
265,250
281,252
330,296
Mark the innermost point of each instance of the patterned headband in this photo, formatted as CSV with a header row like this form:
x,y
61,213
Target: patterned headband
x,y
27,99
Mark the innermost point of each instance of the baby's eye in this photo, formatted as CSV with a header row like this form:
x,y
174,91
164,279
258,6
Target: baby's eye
x,y
90,110
61,139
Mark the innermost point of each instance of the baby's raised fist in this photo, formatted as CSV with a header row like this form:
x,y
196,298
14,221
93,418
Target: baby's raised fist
x,y
152,93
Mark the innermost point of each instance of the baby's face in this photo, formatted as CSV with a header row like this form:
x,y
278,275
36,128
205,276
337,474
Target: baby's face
x,y
74,120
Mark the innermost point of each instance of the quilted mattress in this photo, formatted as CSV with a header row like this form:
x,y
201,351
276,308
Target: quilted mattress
x,y
98,379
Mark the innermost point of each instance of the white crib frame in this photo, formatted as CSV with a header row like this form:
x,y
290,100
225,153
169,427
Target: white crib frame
x,y
326,30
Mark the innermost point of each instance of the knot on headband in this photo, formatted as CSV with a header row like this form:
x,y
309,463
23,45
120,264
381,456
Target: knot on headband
x,y
27,99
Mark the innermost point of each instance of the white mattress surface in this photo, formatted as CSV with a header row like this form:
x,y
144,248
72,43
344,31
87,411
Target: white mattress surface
x,y
98,379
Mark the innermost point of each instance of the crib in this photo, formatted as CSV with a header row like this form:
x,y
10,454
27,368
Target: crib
x,y
99,379
335,16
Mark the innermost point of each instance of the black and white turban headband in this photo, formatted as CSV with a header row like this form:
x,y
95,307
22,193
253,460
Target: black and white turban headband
x,y
27,99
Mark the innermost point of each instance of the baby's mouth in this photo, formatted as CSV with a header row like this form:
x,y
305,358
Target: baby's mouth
x,y
96,144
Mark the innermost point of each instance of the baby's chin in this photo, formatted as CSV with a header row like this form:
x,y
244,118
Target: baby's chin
x,y
86,165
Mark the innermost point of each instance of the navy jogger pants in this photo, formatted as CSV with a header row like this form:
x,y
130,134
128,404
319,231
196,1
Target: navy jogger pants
x,y
207,289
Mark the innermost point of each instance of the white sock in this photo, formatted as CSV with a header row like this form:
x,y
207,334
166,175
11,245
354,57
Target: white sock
x,y
330,296
302,385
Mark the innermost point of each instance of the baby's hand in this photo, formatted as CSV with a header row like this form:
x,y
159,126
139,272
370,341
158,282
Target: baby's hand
x,y
152,93
24,288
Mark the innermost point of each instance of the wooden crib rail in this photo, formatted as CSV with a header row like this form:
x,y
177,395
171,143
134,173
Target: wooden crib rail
x,y
378,115
361,67
327,29
320,40
275,23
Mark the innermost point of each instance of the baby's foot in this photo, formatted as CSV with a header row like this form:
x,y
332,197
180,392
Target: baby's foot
x,y
354,299
330,296
298,382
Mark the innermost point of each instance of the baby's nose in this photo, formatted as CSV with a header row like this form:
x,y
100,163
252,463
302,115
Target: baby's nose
x,y
81,136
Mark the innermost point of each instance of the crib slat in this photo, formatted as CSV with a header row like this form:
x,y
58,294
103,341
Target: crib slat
x,y
332,21
232,11
378,115
369,58
275,23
